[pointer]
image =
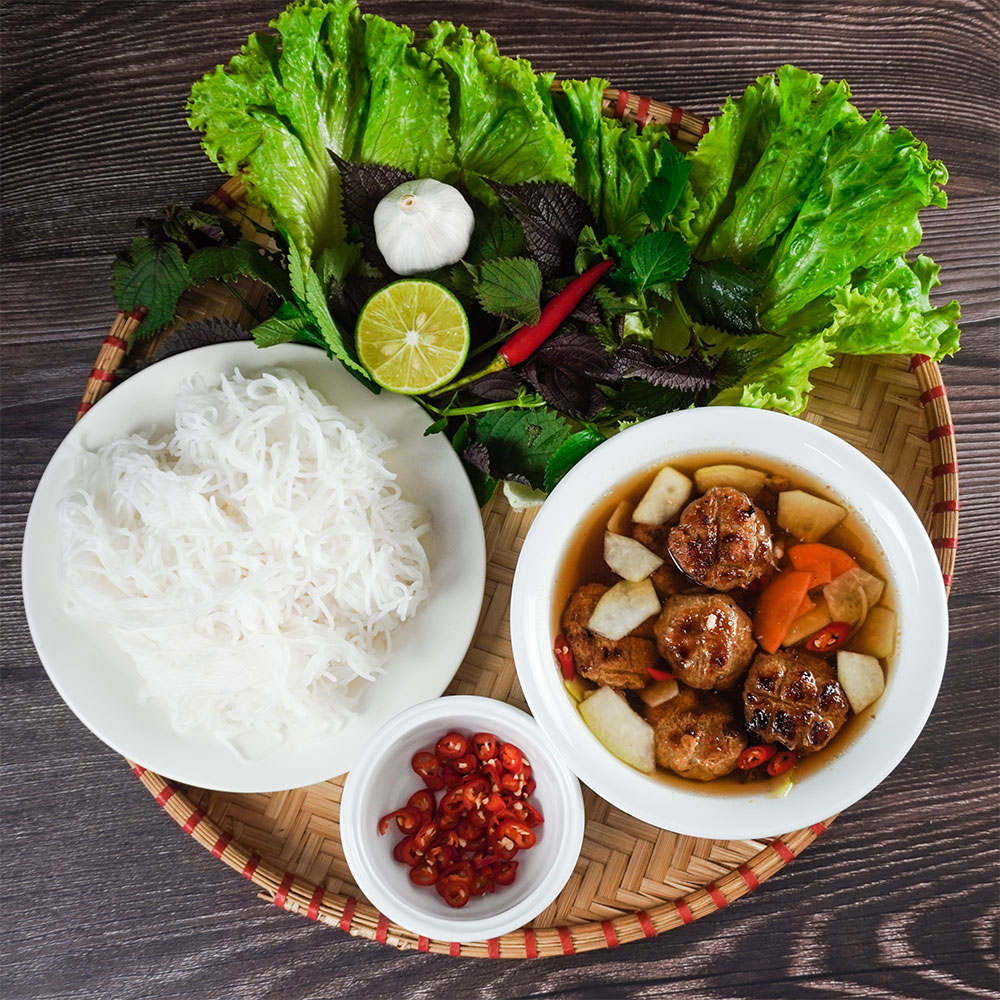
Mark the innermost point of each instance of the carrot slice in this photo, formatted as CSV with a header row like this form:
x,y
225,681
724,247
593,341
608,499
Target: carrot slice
x,y
807,604
778,607
809,555
822,574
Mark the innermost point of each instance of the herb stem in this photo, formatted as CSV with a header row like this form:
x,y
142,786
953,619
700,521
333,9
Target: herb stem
x,y
523,401
236,294
492,342
498,364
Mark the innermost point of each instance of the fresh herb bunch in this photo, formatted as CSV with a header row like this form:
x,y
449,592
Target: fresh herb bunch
x,y
738,268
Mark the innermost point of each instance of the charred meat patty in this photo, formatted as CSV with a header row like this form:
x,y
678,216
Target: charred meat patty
x,y
794,698
617,663
697,735
722,540
707,640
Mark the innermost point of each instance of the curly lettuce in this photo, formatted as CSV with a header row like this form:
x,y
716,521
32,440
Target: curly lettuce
x,y
615,161
332,79
794,188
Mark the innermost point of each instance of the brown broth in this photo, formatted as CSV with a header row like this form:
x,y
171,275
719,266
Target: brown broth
x,y
583,562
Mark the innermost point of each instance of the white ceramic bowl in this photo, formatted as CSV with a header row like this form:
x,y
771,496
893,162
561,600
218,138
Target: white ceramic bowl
x,y
913,678
383,780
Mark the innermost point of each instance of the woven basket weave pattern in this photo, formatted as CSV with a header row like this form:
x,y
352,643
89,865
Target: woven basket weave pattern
x,y
632,880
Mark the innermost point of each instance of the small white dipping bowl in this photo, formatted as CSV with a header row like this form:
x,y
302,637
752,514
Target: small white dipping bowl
x,y
383,780
762,438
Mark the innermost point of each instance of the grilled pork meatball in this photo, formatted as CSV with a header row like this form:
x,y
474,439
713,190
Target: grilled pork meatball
x,y
706,639
697,735
794,698
722,541
618,663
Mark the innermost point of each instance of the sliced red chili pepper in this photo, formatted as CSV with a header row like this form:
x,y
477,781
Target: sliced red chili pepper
x,y
505,873
426,836
425,764
781,762
495,803
448,820
512,783
423,874
407,819
466,764
406,852
428,767
470,829
453,800
454,892
565,657
452,839
474,790
511,757
826,640
493,772
460,870
659,675
529,788
527,813
503,847
476,844
520,833
755,755
441,856
485,860
481,884
423,801
485,746
451,777
451,745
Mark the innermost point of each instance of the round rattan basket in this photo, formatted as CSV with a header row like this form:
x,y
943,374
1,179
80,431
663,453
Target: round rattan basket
x,y
632,880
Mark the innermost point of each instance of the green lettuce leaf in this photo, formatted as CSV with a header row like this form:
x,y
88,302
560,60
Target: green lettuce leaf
x,y
818,206
863,209
887,310
501,127
772,145
615,161
333,80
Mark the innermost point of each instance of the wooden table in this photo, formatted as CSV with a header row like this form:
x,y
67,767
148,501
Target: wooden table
x,y
102,894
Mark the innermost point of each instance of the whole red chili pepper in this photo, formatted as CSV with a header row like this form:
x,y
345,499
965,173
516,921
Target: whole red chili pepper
x,y
528,339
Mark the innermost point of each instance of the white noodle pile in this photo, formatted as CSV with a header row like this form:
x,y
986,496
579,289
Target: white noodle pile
x,y
254,562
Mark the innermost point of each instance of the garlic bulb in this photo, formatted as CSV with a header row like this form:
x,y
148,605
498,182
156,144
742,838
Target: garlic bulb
x,y
422,225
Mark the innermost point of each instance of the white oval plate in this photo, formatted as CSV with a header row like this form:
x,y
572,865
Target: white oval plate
x,y
100,683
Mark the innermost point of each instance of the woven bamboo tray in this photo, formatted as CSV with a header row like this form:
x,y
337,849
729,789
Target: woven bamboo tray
x,y
632,880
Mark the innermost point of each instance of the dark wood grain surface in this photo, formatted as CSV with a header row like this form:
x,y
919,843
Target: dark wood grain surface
x,y
103,897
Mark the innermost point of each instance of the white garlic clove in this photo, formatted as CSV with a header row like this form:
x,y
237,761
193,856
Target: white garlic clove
x,y
422,225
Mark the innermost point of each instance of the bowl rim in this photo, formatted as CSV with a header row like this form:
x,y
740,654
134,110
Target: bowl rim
x,y
357,846
760,435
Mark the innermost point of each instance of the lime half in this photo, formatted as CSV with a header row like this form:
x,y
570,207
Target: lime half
x,y
413,336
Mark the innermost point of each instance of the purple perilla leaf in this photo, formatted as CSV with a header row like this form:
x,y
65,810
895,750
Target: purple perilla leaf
x,y
661,369
362,187
551,215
